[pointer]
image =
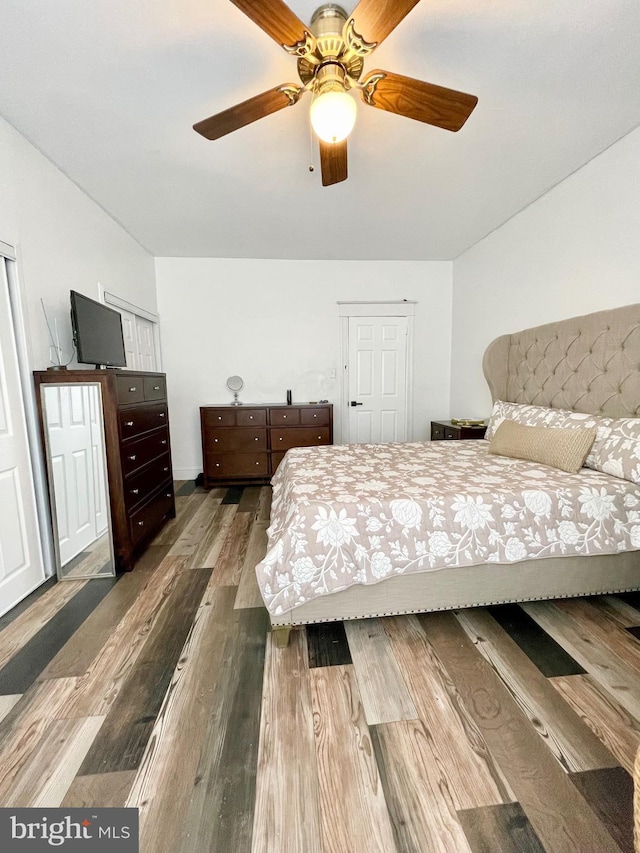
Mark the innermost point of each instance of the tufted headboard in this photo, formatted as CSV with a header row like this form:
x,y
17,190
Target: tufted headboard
x,y
586,364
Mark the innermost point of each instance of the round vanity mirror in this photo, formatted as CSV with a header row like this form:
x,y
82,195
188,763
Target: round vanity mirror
x,y
235,384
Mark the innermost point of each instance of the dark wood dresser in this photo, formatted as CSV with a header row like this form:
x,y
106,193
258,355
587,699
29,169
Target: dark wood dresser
x,y
445,430
242,444
138,451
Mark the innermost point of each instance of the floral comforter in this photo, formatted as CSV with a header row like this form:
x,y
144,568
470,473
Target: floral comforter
x,y
356,514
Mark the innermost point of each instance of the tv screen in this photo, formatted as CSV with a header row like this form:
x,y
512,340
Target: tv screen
x,y
97,332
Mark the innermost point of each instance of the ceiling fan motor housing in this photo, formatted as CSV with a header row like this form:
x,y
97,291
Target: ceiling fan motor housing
x,y
327,23
332,64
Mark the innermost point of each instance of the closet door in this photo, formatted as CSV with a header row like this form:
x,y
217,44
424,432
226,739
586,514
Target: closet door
x,y
146,344
130,338
21,567
139,340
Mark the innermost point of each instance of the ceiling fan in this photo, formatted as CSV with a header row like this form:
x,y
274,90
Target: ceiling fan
x,y
331,53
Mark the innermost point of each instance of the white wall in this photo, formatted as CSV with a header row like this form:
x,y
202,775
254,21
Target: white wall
x,y
64,242
575,250
275,323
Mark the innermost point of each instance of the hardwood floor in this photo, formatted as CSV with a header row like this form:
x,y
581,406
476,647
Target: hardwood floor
x,y
508,728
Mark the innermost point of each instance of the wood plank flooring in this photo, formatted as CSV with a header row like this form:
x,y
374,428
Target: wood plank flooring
x,y
511,728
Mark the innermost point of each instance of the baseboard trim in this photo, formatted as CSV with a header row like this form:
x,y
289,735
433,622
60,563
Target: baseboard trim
x,y
186,473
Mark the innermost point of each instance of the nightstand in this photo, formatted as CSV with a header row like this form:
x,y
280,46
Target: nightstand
x,y
441,430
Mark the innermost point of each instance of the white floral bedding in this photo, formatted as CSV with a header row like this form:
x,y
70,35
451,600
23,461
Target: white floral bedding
x,y
356,514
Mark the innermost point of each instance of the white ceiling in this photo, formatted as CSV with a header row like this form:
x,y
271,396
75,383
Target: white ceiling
x,y
108,90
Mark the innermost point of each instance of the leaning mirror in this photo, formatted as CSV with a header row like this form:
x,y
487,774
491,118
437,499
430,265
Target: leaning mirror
x,y
235,384
78,482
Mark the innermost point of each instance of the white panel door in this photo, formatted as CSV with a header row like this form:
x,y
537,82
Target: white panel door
x,y
21,567
139,340
130,339
377,370
146,344
72,459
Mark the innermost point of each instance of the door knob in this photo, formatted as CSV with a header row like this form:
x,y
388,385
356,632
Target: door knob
x,y
354,403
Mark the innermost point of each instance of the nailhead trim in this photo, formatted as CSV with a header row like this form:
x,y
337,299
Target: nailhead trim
x,y
457,607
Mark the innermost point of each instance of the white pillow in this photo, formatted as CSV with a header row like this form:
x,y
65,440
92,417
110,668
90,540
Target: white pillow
x,y
615,451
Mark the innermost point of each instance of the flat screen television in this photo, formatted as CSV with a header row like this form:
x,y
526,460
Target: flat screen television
x,y
97,332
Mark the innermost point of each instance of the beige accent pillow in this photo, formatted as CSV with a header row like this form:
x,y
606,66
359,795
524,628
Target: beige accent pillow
x,y
565,449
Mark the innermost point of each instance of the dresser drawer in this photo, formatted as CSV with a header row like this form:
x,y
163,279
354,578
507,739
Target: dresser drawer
x,y
437,431
218,417
144,482
283,439
137,453
451,433
251,417
221,440
284,417
135,420
226,465
147,519
129,388
315,417
155,387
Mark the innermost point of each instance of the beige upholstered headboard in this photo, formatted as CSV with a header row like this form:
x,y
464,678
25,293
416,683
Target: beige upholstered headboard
x,y
586,364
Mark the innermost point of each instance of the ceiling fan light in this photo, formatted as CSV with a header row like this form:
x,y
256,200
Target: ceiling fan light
x,y
333,115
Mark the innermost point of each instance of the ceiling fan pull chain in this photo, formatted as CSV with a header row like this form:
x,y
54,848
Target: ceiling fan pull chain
x,y
311,139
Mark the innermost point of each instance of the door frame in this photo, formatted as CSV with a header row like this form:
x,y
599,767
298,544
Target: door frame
x,y
9,256
393,308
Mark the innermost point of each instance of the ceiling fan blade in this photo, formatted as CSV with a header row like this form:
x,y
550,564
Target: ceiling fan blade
x,y
333,161
275,18
375,19
248,111
425,102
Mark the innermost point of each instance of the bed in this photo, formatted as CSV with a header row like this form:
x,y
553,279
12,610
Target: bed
x,y
375,530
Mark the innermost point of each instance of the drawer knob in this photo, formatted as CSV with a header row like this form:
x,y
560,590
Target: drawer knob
x,y
315,416
164,441
256,438
319,436
216,440
285,417
250,417
141,524
156,387
133,457
134,491
166,468
161,415
217,464
168,494
219,417
128,423
257,463
280,439
133,388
